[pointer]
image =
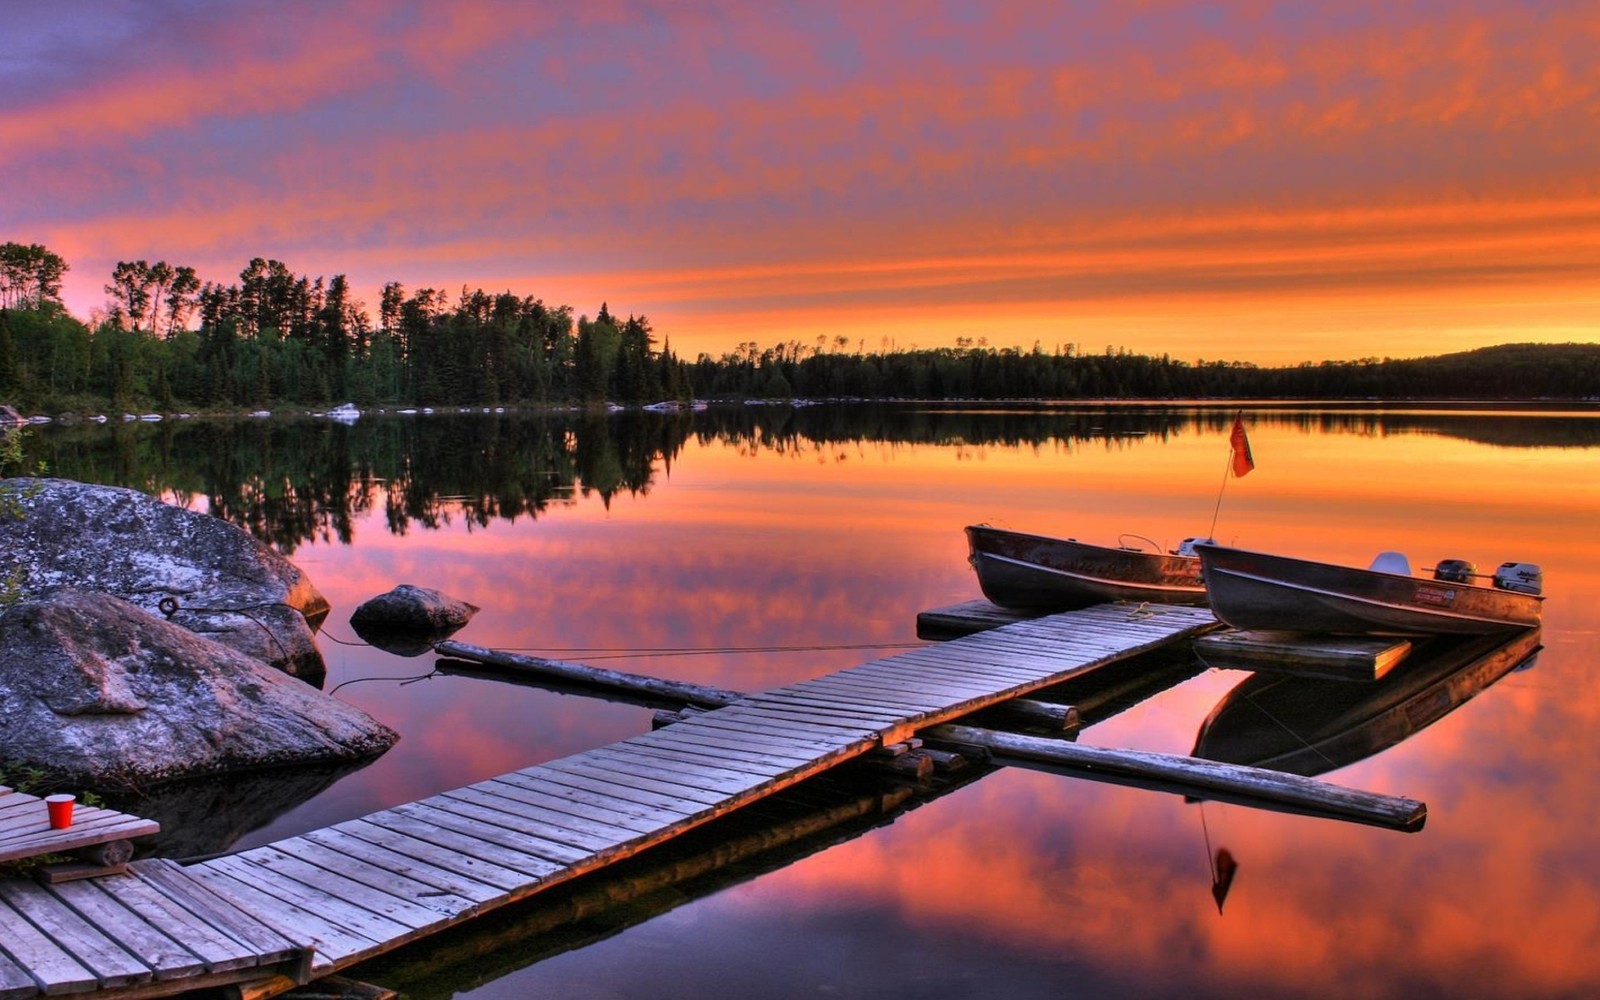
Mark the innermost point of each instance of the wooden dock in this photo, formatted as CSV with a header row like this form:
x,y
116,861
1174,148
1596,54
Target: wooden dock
x,y
314,904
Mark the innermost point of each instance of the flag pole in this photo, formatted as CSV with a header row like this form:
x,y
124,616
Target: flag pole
x,y
1240,461
1212,534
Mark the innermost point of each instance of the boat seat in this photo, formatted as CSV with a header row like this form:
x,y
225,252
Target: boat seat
x,y
1391,562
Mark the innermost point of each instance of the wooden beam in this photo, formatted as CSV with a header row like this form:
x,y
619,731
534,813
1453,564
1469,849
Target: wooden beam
x,y
1337,657
1191,776
677,692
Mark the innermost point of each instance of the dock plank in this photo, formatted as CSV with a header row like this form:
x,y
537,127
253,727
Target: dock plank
x,y
490,827
773,746
715,784
57,969
15,982
735,722
630,805
454,891
90,946
563,828
219,951
220,913
583,780
324,925
736,763
392,898
165,957
585,765
443,849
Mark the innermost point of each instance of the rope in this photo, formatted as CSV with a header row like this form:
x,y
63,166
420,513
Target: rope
x,y
1281,725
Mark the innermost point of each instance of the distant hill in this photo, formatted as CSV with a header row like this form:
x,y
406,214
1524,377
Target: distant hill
x,y
1506,371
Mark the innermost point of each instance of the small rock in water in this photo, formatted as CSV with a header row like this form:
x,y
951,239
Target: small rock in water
x,y
408,620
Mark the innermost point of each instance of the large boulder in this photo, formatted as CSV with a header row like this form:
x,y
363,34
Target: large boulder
x,y
95,691
201,572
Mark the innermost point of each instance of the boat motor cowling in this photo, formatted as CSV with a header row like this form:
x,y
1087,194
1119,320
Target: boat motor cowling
x,y
1524,578
1455,571
1186,547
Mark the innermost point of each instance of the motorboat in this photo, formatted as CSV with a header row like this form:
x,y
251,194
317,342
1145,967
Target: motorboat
x,y
1039,573
1260,591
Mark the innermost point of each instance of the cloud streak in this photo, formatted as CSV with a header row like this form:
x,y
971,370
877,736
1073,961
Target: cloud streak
x,y
731,171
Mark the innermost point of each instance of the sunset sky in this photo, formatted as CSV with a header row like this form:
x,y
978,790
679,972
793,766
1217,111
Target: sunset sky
x,y
1250,181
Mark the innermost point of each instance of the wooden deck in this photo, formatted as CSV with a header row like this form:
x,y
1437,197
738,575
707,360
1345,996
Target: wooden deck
x,y
25,829
313,904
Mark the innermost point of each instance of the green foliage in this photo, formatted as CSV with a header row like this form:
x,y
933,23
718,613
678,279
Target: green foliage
x,y
276,338
11,458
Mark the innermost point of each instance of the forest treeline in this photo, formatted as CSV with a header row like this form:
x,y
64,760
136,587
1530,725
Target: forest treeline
x,y
169,341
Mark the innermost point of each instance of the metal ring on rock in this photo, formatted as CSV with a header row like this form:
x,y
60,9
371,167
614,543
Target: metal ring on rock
x,y
168,606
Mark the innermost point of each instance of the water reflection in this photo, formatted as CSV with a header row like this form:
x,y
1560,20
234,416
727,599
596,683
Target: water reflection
x,y
1309,725
785,535
294,481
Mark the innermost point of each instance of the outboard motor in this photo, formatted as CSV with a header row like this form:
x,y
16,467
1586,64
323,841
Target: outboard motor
x,y
1186,547
1455,571
1524,578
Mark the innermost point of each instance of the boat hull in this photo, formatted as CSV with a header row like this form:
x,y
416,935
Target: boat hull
x,y
1037,573
1310,726
1255,590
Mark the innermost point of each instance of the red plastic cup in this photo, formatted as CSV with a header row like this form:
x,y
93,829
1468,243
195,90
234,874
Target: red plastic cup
x,y
60,807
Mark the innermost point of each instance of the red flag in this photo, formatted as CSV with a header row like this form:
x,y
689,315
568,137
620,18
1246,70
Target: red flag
x,y
1222,873
1243,461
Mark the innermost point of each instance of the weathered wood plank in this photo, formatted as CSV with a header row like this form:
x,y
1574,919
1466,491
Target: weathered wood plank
x,y
737,723
221,952
557,799
324,927
166,958
716,785
775,746
847,694
733,761
995,662
585,835
15,982
916,695
578,673
90,946
966,618
221,913
627,804
443,849
1352,658
57,970
488,826
584,765
762,712
384,894
586,780
566,813
822,730
452,890
970,666
1192,776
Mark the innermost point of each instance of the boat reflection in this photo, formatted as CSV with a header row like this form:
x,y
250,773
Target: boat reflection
x,y
1311,725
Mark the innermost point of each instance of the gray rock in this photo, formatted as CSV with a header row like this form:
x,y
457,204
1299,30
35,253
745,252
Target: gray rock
x,y
203,573
417,608
408,620
95,691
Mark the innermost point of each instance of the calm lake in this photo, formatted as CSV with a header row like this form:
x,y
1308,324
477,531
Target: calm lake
x,y
756,546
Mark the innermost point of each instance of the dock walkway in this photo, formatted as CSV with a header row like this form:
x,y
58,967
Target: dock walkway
x,y
320,902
